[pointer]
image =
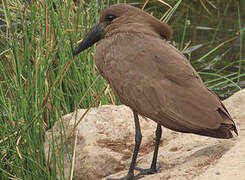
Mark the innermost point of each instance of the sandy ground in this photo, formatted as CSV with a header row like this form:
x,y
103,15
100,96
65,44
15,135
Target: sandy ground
x,y
193,157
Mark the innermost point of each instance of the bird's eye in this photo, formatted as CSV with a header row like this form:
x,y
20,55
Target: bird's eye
x,y
110,17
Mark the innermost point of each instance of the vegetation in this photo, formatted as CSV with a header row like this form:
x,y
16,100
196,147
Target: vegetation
x,y
40,80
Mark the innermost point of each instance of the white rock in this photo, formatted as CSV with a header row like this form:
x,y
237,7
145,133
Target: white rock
x,y
105,143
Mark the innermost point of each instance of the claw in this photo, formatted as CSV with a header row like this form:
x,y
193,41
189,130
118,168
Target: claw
x,y
147,171
127,177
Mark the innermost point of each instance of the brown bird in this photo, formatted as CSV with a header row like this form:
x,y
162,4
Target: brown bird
x,y
153,78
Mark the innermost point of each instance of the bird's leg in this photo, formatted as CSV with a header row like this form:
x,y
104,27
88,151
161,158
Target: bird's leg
x,y
153,169
138,138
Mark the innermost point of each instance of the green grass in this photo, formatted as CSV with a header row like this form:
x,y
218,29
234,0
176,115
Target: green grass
x,y
40,80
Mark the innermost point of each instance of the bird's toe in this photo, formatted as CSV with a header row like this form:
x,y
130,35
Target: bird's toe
x,y
151,170
127,177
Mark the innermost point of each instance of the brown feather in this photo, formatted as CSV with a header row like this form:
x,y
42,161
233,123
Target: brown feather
x,y
154,78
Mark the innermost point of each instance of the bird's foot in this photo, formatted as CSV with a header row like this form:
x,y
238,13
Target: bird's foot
x,y
147,171
142,173
127,177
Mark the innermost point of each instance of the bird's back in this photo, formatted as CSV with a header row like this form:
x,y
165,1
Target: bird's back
x,y
155,79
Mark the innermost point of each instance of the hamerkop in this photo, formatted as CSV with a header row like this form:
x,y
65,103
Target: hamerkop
x,y
153,78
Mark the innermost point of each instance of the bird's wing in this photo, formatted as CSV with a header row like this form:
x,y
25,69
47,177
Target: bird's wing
x,y
155,79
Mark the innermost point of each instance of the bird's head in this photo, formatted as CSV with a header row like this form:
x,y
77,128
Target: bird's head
x,y
124,18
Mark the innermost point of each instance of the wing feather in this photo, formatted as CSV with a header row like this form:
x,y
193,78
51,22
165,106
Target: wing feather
x,y
155,79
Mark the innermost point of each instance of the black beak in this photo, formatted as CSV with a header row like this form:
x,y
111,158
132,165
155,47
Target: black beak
x,y
93,36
